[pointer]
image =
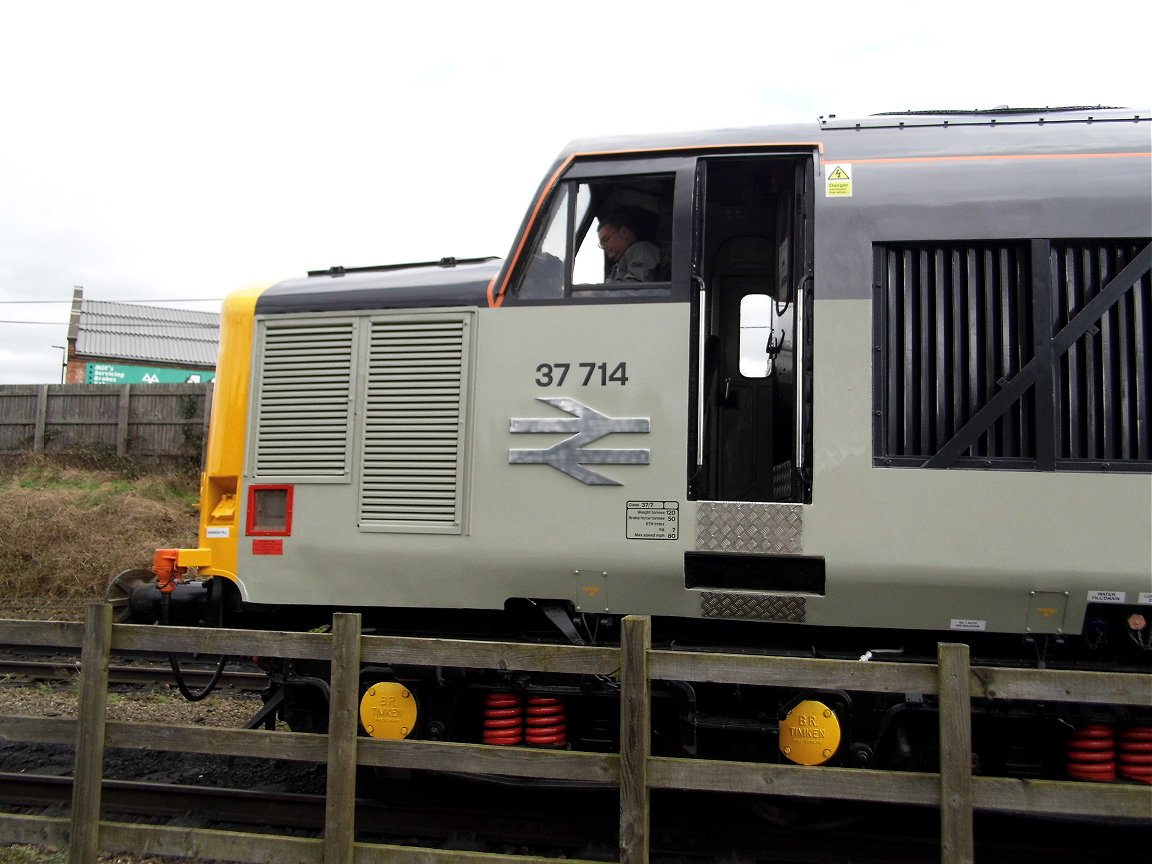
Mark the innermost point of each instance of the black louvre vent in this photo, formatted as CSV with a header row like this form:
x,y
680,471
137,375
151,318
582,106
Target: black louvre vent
x,y
1013,354
1103,380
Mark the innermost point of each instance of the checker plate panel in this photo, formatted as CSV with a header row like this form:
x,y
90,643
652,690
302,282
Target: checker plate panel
x,y
771,529
754,607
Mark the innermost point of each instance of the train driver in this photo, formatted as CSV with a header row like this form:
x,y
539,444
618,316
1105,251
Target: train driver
x,y
625,238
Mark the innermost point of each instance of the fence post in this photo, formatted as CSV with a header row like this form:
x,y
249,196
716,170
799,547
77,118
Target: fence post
x,y
343,715
956,843
122,420
635,739
88,769
41,419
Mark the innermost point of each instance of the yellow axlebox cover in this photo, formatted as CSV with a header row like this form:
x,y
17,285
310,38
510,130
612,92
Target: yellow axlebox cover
x,y
388,710
810,734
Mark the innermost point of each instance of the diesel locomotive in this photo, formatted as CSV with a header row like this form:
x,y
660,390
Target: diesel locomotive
x,y
882,383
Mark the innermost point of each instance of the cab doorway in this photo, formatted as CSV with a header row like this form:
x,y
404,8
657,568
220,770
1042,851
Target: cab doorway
x,y
752,271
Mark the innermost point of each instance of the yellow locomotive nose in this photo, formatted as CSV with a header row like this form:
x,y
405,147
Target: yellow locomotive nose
x,y
388,710
810,734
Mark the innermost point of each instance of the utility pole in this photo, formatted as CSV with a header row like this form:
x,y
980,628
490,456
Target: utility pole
x,y
63,361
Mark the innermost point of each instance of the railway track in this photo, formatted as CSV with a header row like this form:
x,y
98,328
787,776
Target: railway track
x,y
142,674
440,813
413,821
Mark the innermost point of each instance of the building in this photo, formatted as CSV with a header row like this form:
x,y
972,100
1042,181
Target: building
x,y
127,343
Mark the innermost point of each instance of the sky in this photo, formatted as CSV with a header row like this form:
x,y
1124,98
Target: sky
x,y
169,152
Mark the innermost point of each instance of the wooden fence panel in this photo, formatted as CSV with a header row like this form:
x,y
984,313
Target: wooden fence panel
x,y
874,677
19,410
538,764
88,416
635,771
169,418
61,634
131,419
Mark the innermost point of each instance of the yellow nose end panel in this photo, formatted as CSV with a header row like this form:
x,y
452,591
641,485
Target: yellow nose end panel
x,y
810,734
388,710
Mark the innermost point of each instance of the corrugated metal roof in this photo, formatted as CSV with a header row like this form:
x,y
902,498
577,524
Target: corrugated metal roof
x,y
132,332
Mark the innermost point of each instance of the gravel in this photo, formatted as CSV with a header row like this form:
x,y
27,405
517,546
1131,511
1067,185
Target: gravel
x,y
155,705
158,704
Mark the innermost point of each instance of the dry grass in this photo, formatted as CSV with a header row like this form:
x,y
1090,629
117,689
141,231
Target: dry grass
x,y
31,855
67,526
67,529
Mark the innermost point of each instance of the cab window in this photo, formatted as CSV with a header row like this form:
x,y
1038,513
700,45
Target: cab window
x,y
602,238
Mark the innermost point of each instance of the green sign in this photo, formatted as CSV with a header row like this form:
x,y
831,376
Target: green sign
x,y
109,373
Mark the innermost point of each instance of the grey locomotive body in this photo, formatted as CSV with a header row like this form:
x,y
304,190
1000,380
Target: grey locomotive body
x,y
886,384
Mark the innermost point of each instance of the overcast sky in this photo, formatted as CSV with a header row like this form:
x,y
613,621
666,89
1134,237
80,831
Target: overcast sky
x,y
159,151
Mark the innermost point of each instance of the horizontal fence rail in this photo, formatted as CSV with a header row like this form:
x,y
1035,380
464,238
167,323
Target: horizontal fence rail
x,y
155,420
954,790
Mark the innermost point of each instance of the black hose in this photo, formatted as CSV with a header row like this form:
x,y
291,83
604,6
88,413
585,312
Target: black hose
x,y
209,687
181,685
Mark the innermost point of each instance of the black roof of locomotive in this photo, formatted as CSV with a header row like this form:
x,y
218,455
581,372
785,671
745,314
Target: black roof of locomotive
x,y
447,282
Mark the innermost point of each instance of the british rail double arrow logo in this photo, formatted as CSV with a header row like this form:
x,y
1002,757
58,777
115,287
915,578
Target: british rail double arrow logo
x,y
586,426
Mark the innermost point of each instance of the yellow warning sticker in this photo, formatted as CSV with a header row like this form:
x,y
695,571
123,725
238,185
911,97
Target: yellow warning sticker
x,y
838,180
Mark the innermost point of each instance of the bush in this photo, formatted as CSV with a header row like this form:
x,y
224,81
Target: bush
x,y
67,528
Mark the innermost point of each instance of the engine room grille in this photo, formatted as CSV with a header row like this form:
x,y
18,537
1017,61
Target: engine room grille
x,y
303,413
1013,354
411,471
1103,381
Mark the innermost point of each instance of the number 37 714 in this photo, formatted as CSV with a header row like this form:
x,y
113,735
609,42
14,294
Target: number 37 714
x,y
581,374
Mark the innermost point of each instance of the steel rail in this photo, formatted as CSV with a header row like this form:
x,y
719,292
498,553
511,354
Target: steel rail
x,y
691,828
67,670
416,820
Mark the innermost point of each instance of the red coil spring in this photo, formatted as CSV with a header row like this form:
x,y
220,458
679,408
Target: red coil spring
x,y
1092,753
1134,753
503,718
547,722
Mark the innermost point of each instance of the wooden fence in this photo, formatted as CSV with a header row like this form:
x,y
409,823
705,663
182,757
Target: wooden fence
x,y
635,771
131,419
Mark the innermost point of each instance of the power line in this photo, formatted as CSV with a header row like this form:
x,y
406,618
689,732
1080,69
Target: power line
x,y
93,300
119,326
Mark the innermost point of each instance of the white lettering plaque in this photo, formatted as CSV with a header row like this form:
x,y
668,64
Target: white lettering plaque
x,y
653,520
968,624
